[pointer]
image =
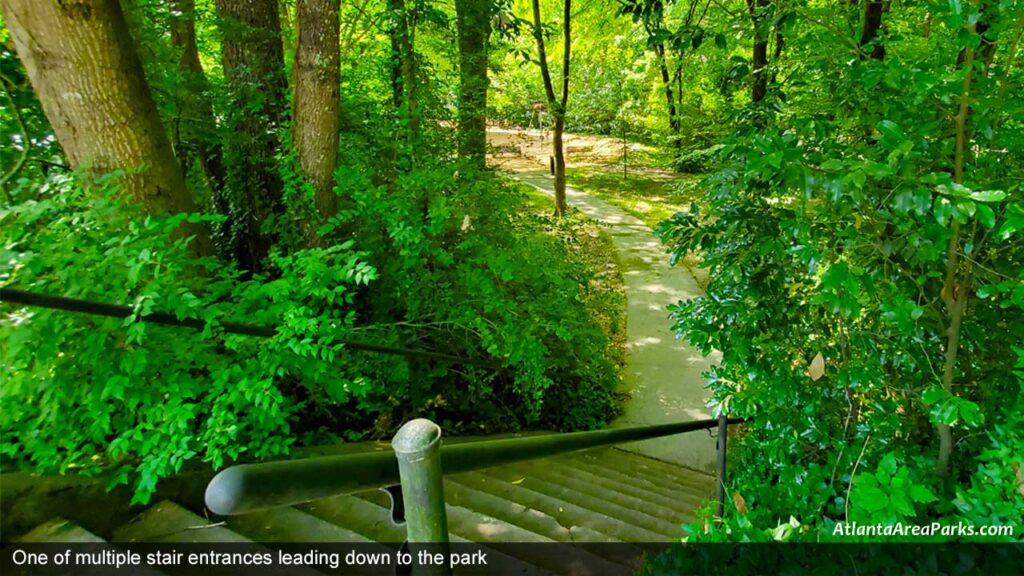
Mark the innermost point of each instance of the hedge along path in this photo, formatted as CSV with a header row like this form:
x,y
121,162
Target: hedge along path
x,y
663,375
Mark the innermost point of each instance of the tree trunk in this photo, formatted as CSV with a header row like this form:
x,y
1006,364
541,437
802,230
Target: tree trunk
x,y
403,71
397,91
254,69
666,80
90,82
780,45
195,134
560,203
759,60
473,20
317,62
872,24
557,106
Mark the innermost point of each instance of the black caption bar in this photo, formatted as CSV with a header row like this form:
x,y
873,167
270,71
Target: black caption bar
x,y
506,559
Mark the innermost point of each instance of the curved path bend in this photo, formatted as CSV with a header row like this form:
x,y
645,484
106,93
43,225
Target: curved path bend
x,y
662,374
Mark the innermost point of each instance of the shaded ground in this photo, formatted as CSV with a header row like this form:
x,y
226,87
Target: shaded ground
x,y
662,374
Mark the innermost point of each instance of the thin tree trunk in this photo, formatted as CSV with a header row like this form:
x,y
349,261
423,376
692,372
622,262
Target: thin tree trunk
x,y
397,90
316,104
780,44
404,67
954,289
759,60
556,105
670,100
91,85
473,20
872,24
195,136
254,68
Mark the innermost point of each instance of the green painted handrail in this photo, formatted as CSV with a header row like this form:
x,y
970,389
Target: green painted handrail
x,y
250,487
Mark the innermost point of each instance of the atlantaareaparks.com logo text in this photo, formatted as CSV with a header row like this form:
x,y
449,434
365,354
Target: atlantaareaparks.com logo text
x,y
934,529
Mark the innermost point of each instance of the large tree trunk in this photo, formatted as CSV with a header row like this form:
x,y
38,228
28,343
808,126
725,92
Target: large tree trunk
x,y
473,20
555,105
195,131
759,60
254,68
317,62
872,24
90,82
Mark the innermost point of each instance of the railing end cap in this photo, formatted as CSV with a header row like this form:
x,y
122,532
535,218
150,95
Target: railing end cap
x,y
224,494
416,436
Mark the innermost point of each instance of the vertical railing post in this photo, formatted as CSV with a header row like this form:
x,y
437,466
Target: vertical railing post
x,y
723,438
417,446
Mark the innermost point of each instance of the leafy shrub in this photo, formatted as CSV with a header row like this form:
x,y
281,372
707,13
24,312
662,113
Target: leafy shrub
x,y
476,276
697,161
87,393
828,239
454,265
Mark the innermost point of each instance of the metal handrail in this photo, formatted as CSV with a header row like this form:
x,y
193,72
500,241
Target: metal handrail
x,y
250,487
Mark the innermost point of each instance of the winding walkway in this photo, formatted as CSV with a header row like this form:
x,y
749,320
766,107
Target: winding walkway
x,y
662,374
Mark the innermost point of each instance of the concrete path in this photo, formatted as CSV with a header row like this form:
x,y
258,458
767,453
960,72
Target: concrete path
x,y
662,374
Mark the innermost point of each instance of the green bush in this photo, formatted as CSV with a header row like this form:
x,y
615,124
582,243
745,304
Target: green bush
x,y
828,237
449,263
478,276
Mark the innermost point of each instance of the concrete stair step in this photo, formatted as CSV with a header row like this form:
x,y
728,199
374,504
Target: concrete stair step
x,y
471,524
669,476
565,513
604,489
368,515
169,522
291,525
683,497
513,512
60,530
597,501
476,525
353,513
669,508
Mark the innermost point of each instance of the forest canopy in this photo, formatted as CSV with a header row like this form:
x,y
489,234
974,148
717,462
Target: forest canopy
x,y
853,180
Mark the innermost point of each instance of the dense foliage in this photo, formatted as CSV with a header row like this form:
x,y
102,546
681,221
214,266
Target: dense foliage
x,y
424,253
863,239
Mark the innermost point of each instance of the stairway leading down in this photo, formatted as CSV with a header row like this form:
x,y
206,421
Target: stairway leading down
x,y
605,495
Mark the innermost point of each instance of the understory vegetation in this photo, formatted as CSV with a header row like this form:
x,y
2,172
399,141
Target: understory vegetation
x,y
423,251
863,241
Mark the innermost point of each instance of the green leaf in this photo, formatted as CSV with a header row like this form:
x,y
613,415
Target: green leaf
x,y
934,395
1014,220
833,165
878,170
986,216
988,195
922,494
943,210
969,412
891,133
867,494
